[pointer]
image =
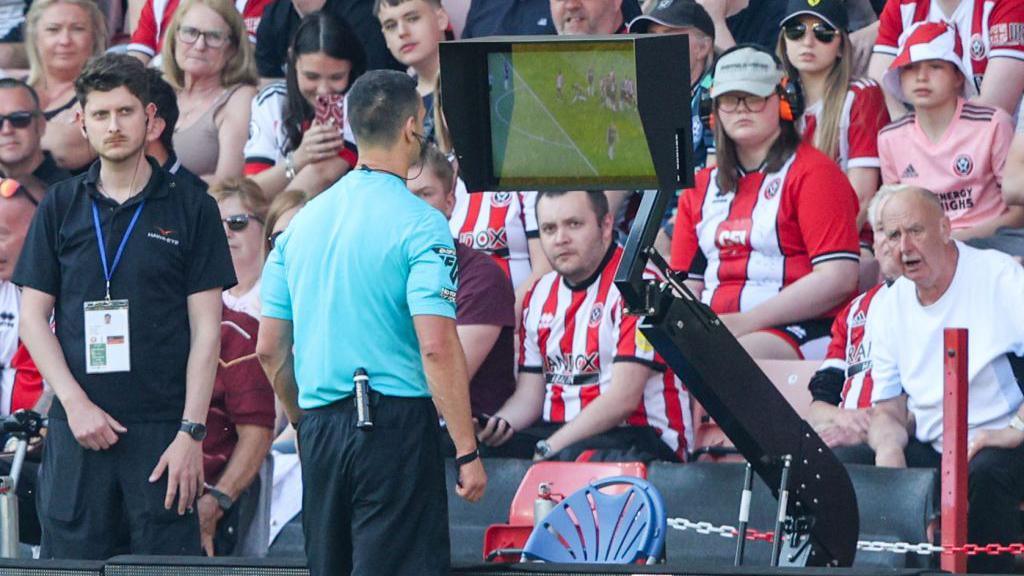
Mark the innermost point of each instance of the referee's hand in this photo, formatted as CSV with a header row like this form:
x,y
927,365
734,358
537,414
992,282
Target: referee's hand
x,y
472,481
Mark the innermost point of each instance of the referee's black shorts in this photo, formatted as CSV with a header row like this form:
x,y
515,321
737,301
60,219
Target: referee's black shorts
x,y
85,496
374,502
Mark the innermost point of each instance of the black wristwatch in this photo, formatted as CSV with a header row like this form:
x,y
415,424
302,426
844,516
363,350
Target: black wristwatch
x,y
542,450
223,500
194,429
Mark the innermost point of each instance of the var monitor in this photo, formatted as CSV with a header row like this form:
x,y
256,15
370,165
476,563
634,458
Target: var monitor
x,y
569,113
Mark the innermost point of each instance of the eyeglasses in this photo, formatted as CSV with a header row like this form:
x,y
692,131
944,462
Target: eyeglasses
x,y
273,238
239,222
10,188
213,38
822,32
17,119
731,102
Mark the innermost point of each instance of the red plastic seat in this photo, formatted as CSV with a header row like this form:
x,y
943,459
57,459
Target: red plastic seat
x,y
564,479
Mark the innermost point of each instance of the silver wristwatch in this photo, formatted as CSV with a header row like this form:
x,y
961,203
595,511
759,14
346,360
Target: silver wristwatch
x,y
542,449
289,166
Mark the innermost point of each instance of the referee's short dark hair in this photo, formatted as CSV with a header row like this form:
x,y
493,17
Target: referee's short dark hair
x,y
379,104
162,95
108,72
598,200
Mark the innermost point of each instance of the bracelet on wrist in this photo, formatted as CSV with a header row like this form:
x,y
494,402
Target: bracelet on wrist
x,y
289,165
466,458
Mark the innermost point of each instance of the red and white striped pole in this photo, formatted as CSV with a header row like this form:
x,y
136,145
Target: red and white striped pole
x,y
954,448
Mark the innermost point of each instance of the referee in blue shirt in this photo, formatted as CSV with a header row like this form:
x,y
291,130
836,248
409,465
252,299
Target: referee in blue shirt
x,y
364,277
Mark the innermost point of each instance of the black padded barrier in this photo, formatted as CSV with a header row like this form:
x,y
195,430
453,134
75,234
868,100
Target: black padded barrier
x,y
27,567
200,566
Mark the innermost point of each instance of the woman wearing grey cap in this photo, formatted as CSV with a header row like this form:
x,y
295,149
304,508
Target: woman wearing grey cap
x,y
842,115
768,237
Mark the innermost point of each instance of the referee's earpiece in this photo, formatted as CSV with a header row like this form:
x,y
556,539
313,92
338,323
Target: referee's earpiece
x,y
791,99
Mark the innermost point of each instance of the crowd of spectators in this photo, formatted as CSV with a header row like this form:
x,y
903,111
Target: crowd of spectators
x,y
859,185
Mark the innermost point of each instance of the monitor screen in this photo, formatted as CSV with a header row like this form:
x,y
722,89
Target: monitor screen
x,y
566,114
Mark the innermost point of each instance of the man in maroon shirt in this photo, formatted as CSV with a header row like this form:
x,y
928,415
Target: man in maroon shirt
x,y
485,303
240,429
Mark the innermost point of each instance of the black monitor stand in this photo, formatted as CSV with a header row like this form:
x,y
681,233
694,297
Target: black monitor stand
x,y
821,523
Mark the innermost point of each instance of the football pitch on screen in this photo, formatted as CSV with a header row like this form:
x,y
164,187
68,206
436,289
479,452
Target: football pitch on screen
x,y
582,126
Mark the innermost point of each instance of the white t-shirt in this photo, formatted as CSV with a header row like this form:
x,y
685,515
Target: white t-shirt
x,y
10,300
248,303
906,353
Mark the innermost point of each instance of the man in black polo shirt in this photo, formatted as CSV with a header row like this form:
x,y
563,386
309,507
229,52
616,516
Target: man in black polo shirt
x,y
159,137
21,129
131,260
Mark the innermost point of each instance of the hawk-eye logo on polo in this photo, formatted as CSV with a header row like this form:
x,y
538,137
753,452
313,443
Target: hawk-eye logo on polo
x,y
6,319
447,256
164,235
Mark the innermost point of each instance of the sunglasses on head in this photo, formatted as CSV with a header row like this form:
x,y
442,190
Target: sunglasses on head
x,y
822,32
239,222
10,188
17,119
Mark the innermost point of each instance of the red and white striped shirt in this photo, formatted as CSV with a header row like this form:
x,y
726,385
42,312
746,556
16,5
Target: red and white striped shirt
x,y
863,115
987,29
499,224
148,37
850,350
747,245
574,336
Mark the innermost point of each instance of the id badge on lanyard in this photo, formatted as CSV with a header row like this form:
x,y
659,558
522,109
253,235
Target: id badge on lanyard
x,y
107,340
107,334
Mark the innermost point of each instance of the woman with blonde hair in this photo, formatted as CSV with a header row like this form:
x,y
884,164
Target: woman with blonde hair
x,y
842,115
243,210
209,60
60,36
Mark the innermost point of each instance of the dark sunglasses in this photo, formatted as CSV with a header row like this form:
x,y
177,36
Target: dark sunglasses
x,y
822,32
17,119
239,222
10,188
273,238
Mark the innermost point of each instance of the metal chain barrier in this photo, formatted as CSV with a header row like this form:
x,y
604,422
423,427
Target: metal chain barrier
x,y
922,548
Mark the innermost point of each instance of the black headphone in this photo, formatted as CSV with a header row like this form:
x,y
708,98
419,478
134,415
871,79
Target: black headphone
x,y
789,90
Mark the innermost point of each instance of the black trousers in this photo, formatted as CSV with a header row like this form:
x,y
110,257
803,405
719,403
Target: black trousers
x,y
85,496
995,489
620,444
374,502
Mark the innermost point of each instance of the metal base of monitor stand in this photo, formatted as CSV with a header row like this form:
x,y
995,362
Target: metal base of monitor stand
x,y
818,521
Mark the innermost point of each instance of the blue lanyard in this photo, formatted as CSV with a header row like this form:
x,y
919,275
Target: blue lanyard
x,y
108,272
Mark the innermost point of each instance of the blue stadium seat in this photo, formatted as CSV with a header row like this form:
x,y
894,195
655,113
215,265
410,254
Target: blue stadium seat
x,y
593,527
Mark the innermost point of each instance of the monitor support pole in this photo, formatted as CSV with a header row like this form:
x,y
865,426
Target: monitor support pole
x,y
818,522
